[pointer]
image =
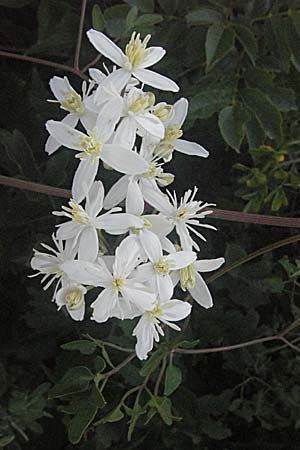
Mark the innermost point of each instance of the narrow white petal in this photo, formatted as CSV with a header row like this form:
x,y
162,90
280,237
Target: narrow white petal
x,y
118,79
190,148
160,225
86,273
105,46
186,241
155,80
64,134
52,144
144,332
134,199
126,133
138,295
97,75
83,179
94,200
151,124
181,259
154,55
164,286
118,223
60,87
151,245
207,265
127,255
180,111
175,310
108,117
156,198
144,272
88,246
68,230
123,160
117,193
200,292
77,314
104,305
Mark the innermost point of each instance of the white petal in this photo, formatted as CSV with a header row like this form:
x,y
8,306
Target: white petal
x,y
175,310
68,230
108,117
207,265
137,294
126,133
134,199
84,178
181,259
97,75
167,245
103,305
52,144
180,111
123,160
118,223
156,198
88,244
190,148
60,87
151,124
94,200
144,272
151,245
144,332
200,292
117,193
186,241
164,286
64,134
105,46
118,79
87,273
88,119
127,255
77,314
154,54
159,225
155,80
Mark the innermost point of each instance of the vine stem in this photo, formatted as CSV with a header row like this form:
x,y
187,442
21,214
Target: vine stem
x,y
79,37
222,214
43,62
120,366
160,375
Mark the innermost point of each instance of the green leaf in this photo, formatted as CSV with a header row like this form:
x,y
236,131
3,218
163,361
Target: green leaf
x,y
115,20
99,364
80,422
147,20
84,347
114,416
254,132
173,379
97,397
163,405
145,6
76,379
247,39
219,41
189,344
283,98
279,200
232,120
203,16
278,25
169,6
131,18
152,362
293,40
265,112
98,20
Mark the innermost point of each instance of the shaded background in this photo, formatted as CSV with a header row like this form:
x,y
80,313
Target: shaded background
x,y
238,63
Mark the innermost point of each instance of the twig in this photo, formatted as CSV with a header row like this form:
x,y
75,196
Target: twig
x,y
222,214
92,63
290,344
160,375
79,37
120,366
43,62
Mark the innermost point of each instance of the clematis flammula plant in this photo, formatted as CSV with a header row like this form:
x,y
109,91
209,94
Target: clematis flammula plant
x,y
121,295
50,264
71,295
149,328
157,271
135,61
85,222
74,104
184,215
173,132
191,280
93,147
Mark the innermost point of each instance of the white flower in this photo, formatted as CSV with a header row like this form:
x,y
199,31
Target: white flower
x,y
184,215
93,147
137,116
134,61
148,328
120,291
173,132
86,221
157,271
191,280
50,265
71,295
74,104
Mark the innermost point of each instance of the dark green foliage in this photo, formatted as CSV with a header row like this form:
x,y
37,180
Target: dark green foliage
x,y
238,63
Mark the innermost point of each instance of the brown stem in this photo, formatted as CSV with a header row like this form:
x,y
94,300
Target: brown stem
x,y
79,37
43,62
237,216
120,366
160,375
253,255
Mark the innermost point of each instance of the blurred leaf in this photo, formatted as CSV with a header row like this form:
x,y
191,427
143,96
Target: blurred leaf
x,y
84,347
148,20
247,40
98,20
115,20
76,379
232,120
80,422
173,379
203,16
219,41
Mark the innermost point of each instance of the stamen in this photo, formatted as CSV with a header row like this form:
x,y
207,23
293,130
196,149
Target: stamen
x,y
162,266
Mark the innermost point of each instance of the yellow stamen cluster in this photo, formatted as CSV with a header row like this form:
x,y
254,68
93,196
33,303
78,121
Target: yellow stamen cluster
x,y
135,50
173,132
72,102
165,147
163,111
117,283
187,277
146,224
142,102
181,213
74,298
162,266
91,147
76,212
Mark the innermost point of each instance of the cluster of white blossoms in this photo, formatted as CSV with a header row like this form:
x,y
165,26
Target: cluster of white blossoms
x,y
122,125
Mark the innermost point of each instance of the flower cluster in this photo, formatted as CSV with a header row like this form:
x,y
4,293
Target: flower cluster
x,y
122,125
